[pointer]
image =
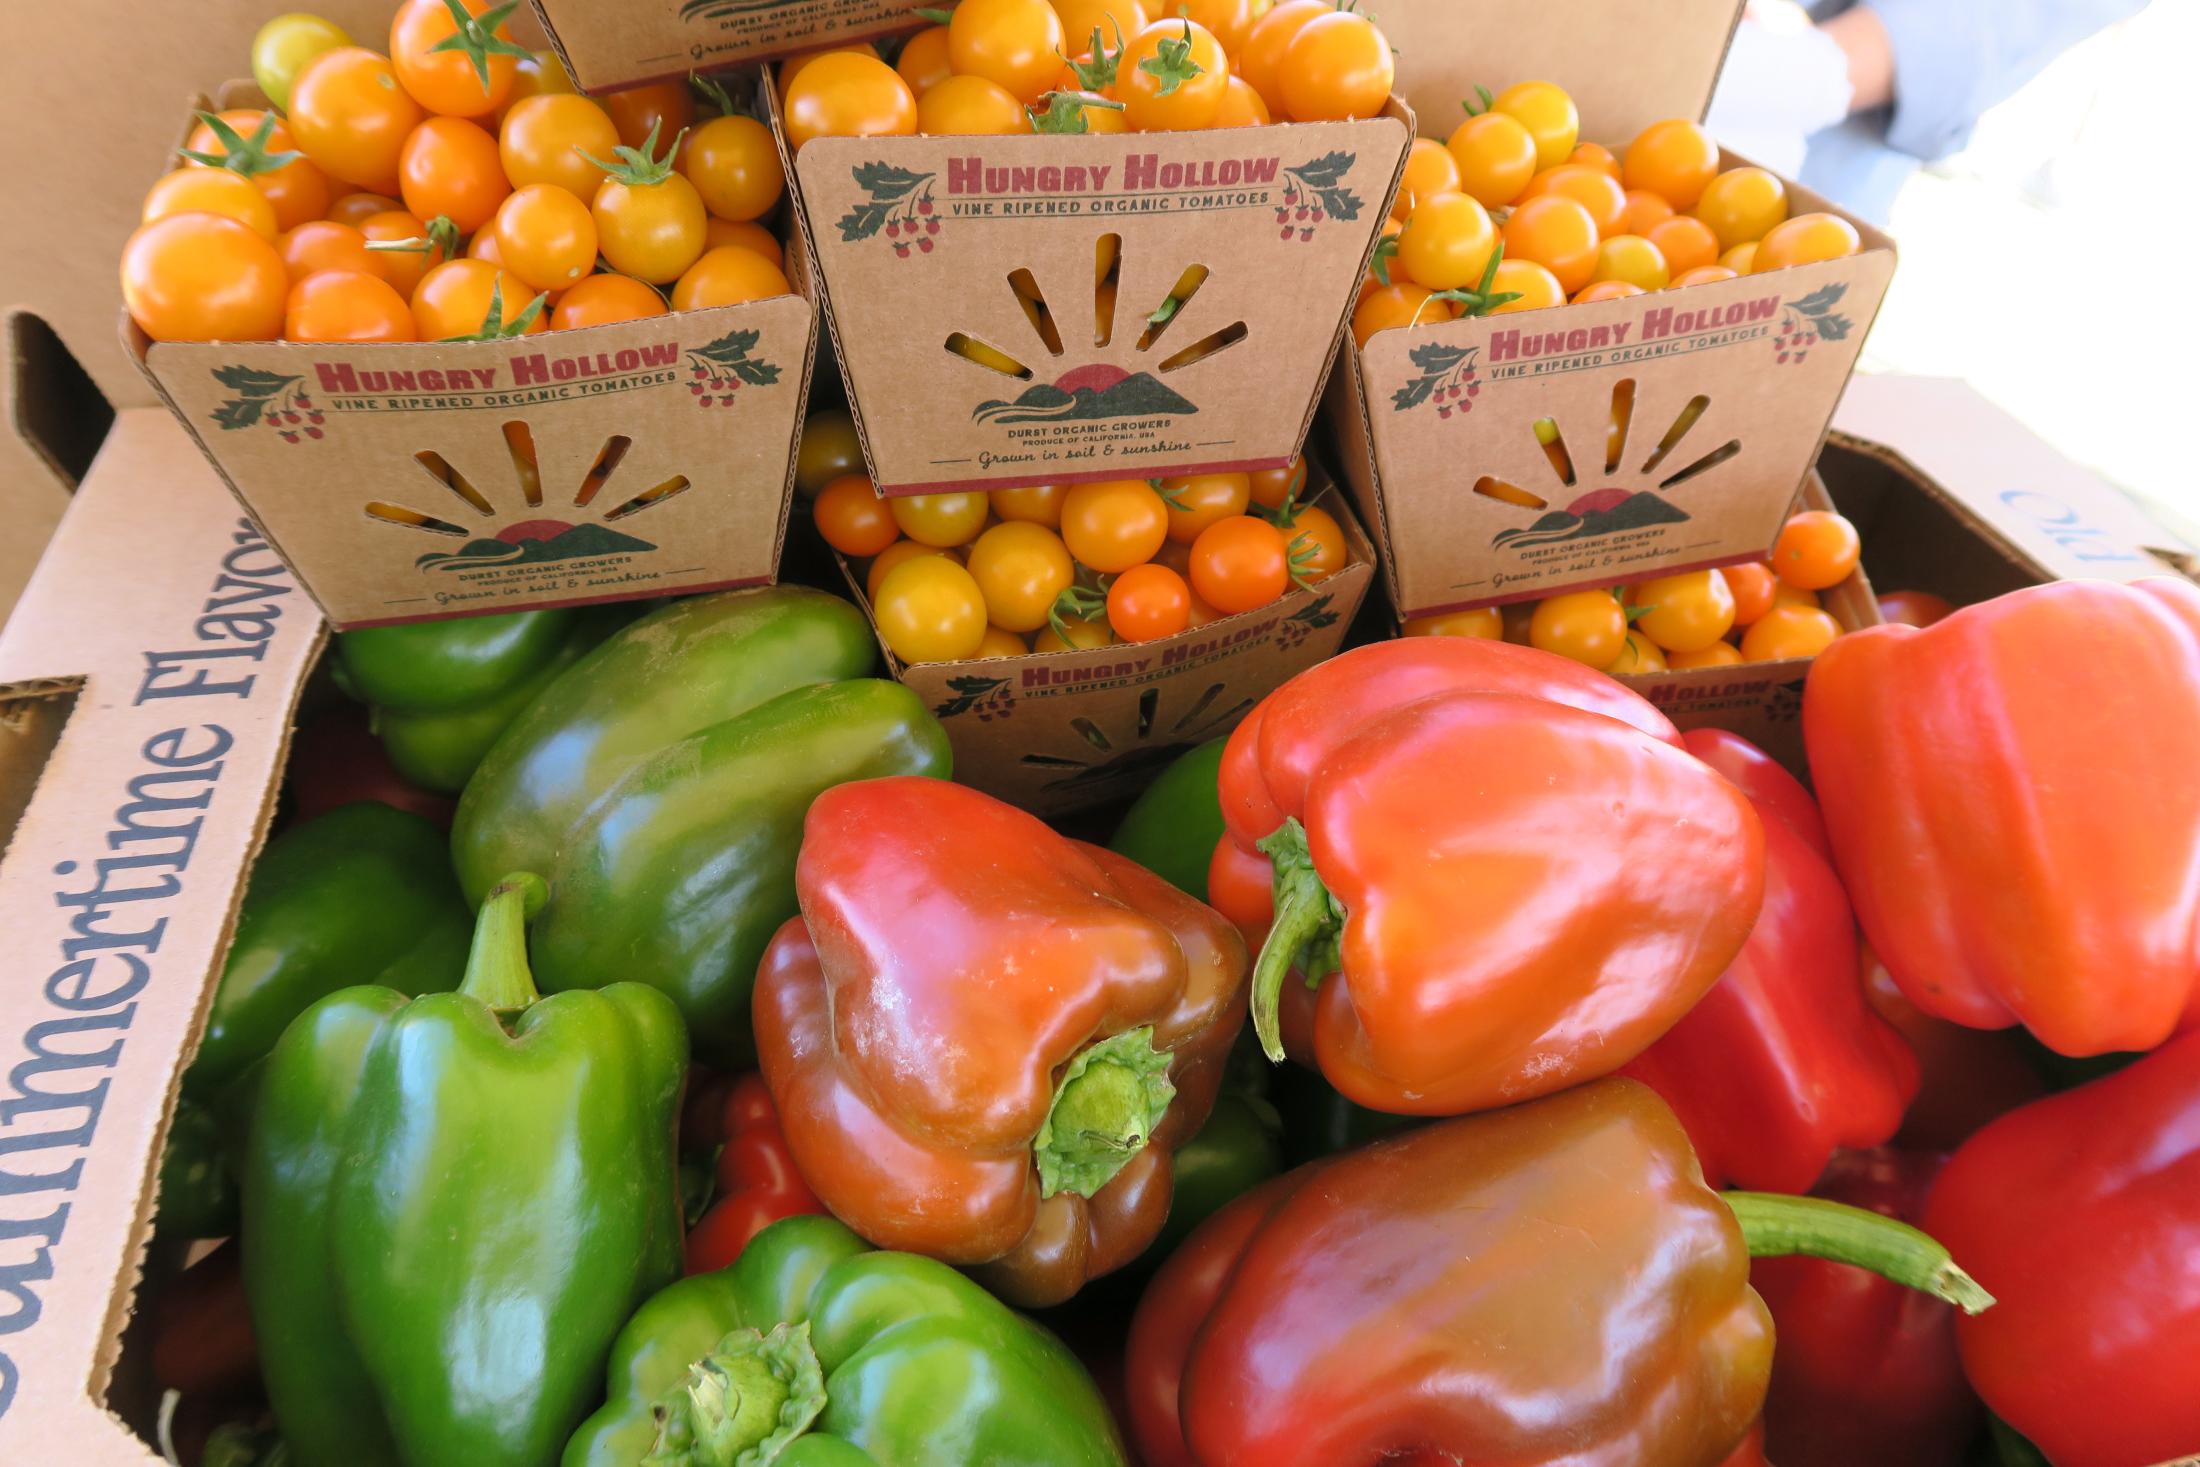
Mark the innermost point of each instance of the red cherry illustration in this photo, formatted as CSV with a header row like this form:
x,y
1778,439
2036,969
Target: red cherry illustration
x,y
313,432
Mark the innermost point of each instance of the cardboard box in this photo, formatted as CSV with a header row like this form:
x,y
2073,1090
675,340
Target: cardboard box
x,y
1442,429
925,243
611,46
1057,732
409,481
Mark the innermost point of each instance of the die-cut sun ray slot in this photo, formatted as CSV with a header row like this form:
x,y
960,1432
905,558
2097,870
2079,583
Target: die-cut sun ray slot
x,y
1504,493
1107,268
674,485
1172,306
1554,449
413,519
1623,413
600,472
992,358
1026,286
1708,462
1673,435
520,439
440,470
1207,346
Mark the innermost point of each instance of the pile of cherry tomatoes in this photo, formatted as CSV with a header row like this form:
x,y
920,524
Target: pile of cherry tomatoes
x,y
1764,611
453,188
1102,66
1055,568
1514,213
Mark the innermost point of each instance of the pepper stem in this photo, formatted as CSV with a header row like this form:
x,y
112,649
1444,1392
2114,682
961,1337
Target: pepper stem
x,y
496,968
1111,1097
743,1403
1776,1226
1304,934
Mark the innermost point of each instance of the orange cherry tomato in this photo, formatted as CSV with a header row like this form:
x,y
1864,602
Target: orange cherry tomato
x,y
1532,287
1597,156
970,106
844,95
1606,290
1645,212
748,235
1637,656
454,299
667,108
1447,243
1784,594
1632,258
945,520
402,268
1260,59
1675,159
793,66
1020,569
924,61
1241,106
1172,78
601,300
1913,608
929,609
1805,240
1148,602
1685,612
1705,275
1741,258
1789,631
727,276
1271,487
1430,170
347,305
1557,233
1116,20
352,116
852,518
1718,654
297,191
324,245
1494,156
883,563
1316,544
541,74
552,139
999,642
203,277
1484,621
1239,564
356,209
449,166
1751,586
1816,549
734,165
1686,243
1231,20
1197,501
1595,191
546,237
1742,205
1038,504
1588,626
1014,44
1548,114
1338,66
1390,306
650,223
447,81
210,191
1114,525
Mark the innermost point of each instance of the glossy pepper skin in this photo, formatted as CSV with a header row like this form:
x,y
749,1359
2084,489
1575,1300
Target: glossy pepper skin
x,y
361,895
442,691
1782,1061
1551,1282
757,1181
2081,1212
198,1188
1867,1370
452,1203
679,874
1240,1147
676,672
2011,802
1506,875
1171,828
987,1041
865,1359
1966,1077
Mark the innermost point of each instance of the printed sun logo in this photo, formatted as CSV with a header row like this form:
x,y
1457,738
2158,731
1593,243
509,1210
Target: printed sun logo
x,y
271,398
1806,322
900,207
1446,380
1612,508
1315,193
718,370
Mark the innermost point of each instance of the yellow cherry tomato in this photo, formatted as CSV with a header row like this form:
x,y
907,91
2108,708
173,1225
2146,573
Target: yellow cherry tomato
x,y
727,276
1557,233
650,222
1684,613
1784,594
1001,643
1686,243
847,94
1548,113
1241,107
1484,621
1316,544
1718,654
551,138
546,237
211,191
852,518
829,449
1533,287
1198,500
1675,159
1742,205
1639,655
1015,44
1740,258
1494,156
940,519
602,300
1816,549
1805,240
1606,290
1429,171
929,609
923,62
1447,243
883,563
970,106
1789,631
1173,78
1114,525
1588,626
1631,258
734,165
1083,636
1038,504
1391,306
748,234
1021,568
1271,487
1338,66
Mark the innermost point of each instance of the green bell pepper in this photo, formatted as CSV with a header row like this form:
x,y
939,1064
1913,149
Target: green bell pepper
x,y
453,1203
814,1350
680,874
198,1190
441,691
676,672
1240,1147
1319,1122
1172,828
362,894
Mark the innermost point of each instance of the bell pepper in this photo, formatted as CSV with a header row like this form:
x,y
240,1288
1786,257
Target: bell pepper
x,y
1319,1122
986,1041
335,759
362,895
679,874
678,671
198,1189
1498,865
1550,1282
2011,802
757,1181
1867,1370
813,1350
2082,1212
440,692
1783,1060
1751,1453
1171,829
1766,781
1966,1077
1240,1147
452,1204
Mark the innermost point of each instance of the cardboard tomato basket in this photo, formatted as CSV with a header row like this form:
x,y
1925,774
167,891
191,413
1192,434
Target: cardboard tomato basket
x,y
407,481
961,281
1687,417
1056,732
606,47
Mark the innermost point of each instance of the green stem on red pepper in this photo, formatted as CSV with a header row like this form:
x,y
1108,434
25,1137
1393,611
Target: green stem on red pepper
x,y
1111,1097
1777,1226
1308,924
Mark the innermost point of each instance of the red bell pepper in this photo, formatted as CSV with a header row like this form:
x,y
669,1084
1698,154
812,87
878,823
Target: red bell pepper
x,y
1503,872
1867,1371
757,1181
1967,1077
2082,1213
2012,802
1782,1061
987,1041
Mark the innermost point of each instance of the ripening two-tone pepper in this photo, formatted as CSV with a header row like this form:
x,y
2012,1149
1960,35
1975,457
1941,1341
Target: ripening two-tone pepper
x,y
2012,804
1500,867
757,1182
986,1040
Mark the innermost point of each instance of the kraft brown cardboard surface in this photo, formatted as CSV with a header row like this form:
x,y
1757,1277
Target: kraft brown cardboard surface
x,y
611,46
185,640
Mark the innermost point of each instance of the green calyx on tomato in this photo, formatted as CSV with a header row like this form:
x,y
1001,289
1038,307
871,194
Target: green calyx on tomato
x,y
1111,1097
493,325
1076,603
1096,71
243,155
1171,64
438,241
641,167
1481,300
1064,112
476,38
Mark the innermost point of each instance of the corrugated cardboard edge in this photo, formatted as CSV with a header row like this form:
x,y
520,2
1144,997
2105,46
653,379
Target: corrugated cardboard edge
x,y
192,643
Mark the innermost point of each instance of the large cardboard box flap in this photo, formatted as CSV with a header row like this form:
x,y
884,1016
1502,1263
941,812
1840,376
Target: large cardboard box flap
x,y
147,684
611,46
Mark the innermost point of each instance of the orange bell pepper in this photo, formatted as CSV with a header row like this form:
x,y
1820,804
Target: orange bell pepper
x,y
2013,796
986,1041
